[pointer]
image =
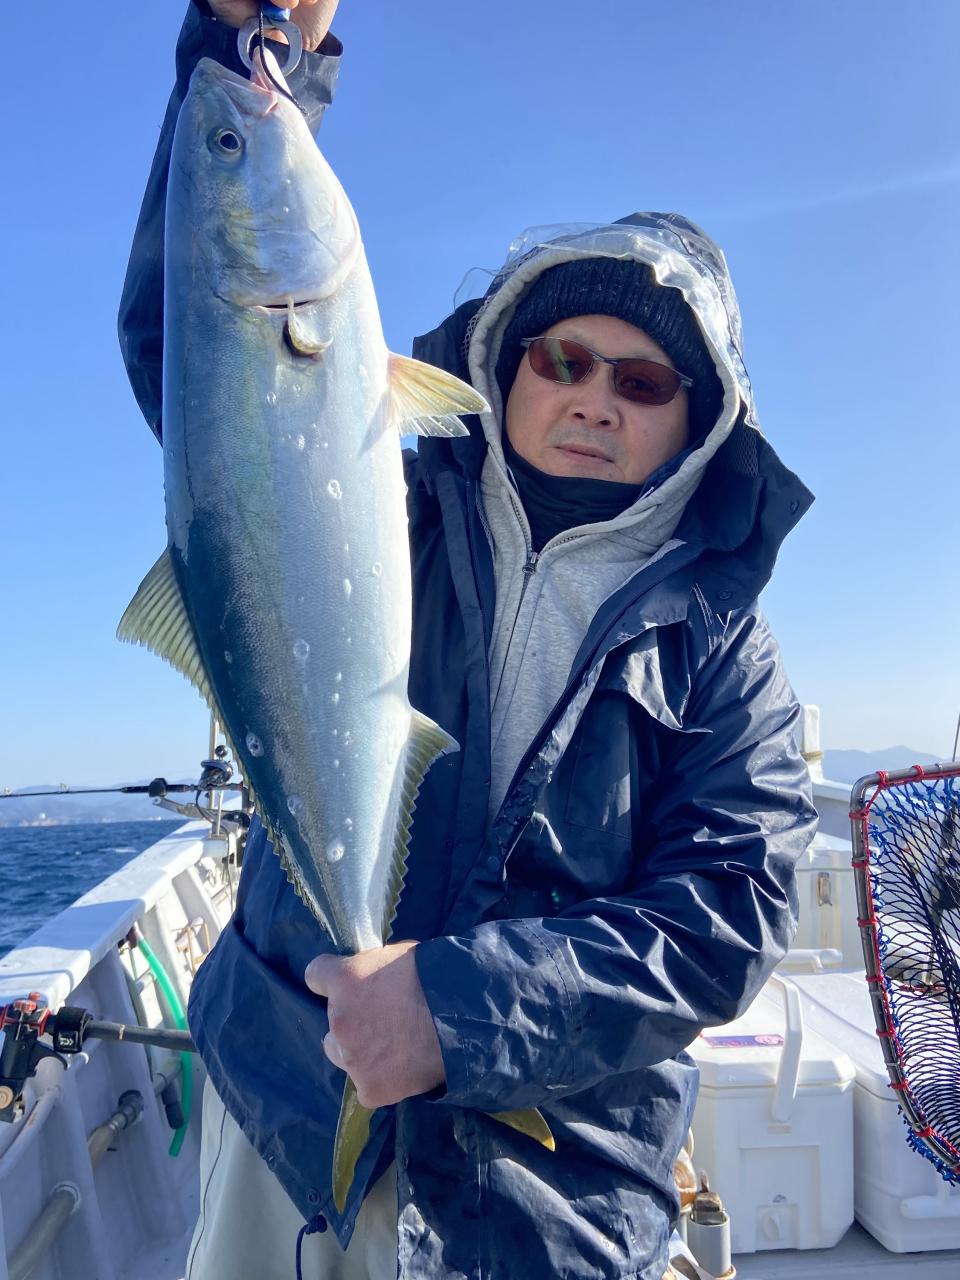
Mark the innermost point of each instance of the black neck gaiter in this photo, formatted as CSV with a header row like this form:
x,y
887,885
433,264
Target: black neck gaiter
x,y
555,503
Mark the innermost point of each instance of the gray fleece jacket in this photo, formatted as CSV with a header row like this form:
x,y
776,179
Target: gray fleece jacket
x,y
545,601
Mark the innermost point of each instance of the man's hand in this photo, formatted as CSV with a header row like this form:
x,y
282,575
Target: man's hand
x,y
381,1032
313,17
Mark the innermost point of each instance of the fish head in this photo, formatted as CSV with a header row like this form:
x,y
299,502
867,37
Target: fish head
x,y
251,202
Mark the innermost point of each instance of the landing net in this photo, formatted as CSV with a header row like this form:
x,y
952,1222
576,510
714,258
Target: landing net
x,y
906,830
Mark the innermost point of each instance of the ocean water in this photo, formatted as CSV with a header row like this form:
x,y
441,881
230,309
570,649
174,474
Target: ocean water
x,y
44,869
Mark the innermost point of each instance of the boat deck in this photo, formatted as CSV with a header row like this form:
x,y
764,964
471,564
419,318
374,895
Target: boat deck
x,y
857,1255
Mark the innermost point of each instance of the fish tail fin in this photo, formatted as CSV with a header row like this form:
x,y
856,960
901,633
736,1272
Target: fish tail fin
x,y
529,1122
425,744
353,1132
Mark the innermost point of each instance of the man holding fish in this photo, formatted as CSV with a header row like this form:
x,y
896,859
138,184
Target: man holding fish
x,y
604,865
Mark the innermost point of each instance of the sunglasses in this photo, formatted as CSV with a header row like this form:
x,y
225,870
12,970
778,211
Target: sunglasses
x,y
640,381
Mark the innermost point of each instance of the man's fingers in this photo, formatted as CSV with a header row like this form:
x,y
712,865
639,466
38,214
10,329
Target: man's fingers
x,y
321,973
333,1051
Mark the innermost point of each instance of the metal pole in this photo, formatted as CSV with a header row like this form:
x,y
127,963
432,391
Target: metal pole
x,y
65,1197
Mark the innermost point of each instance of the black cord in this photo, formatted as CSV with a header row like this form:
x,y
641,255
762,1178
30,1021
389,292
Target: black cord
x,y
266,67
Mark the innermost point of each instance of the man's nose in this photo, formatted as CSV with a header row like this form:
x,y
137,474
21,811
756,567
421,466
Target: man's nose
x,y
596,402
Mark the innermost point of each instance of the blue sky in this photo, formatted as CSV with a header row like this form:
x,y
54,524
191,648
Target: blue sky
x,y
815,141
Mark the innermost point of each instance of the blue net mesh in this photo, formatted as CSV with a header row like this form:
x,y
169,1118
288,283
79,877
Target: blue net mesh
x,y
913,831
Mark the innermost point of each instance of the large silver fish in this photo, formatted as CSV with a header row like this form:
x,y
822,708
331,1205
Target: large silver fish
x,y
284,593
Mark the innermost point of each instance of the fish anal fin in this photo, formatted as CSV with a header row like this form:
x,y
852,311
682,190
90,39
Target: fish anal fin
x,y
157,618
425,744
529,1122
426,401
353,1132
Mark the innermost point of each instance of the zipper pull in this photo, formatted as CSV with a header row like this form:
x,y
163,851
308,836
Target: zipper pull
x,y
531,564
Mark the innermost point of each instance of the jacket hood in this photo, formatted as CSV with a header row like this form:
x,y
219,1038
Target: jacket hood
x,y
680,255
745,500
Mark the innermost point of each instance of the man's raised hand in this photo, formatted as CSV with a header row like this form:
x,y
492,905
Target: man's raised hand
x,y
313,17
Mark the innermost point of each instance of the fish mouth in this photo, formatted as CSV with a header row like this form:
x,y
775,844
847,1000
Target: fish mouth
x,y
253,99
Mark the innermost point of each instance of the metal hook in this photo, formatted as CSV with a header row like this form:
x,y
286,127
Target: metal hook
x,y
251,29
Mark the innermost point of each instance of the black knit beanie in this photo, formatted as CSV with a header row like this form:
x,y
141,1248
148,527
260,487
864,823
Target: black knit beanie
x,y
626,289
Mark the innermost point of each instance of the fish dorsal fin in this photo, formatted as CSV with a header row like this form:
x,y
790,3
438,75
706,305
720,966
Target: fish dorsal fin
x,y
425,400
426,743
157,618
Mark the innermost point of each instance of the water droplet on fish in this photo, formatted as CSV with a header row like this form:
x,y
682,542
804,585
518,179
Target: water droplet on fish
x,y
227,656
336,764
335,698
376,568
301,440
296,388
338,677
347,588
335,850
324,444
295,805
346,546
301,650
333,488
348,824
271,397
254,745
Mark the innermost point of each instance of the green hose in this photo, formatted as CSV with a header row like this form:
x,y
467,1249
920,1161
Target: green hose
x,y
176,1009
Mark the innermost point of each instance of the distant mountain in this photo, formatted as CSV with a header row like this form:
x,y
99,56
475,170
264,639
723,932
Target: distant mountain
x,y
848,766
24,810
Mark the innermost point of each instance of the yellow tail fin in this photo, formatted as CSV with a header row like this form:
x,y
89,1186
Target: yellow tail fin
x,y
353,1131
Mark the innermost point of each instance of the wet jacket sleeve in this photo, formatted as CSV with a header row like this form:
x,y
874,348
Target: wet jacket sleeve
x,y
140,321
532,1009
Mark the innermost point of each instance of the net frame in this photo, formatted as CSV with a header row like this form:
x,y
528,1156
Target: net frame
x,y
873,857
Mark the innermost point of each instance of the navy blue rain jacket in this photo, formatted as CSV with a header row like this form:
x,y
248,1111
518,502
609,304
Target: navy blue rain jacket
x,y
636,885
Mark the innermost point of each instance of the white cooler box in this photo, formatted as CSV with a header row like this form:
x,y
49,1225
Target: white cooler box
x,y
828,929
899,1196
773,1128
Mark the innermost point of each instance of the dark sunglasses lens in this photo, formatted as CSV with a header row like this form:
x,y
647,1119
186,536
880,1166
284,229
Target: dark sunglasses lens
x,y
645,381
560,360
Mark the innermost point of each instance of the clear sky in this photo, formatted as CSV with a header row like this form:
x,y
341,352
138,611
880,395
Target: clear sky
x,y
815,140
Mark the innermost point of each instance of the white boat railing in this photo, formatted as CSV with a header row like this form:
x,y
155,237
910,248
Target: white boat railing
x,y
137,1202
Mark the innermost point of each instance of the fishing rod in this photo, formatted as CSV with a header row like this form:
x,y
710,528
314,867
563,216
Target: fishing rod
x,y
23,1022
214,779
156,789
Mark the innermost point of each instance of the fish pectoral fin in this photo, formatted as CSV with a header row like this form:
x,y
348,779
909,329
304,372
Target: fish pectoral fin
x,y
157,618
353,1132
425,400
426,742
530,1123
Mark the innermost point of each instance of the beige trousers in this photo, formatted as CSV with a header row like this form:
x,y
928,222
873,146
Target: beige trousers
x,y
248,1225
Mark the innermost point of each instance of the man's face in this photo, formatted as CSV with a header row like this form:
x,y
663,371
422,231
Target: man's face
x,y
585,428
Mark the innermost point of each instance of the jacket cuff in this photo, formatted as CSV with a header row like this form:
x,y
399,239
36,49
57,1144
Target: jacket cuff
x,y
504,1013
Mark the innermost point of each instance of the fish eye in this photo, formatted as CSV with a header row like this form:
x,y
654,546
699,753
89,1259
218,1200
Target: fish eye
x,y
225,142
